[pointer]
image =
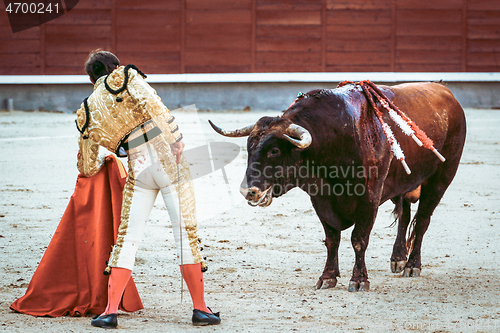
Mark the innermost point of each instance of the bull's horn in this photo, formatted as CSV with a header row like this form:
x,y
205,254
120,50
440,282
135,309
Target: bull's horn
x,y
245,131
300,132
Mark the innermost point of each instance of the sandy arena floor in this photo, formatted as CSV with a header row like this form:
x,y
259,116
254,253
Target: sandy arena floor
x,y
264,262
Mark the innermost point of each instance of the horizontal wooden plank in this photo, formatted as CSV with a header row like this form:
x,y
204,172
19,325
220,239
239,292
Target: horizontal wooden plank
x,y
217,4
484,31
489,69
362,57
169,33
288,58
359,17
405,28
286,68
17,46
417,67
7,34
214,42
284,31
195,17
358,4
20,59
290,45
66,70
84,45
166,32
157,57
430,16
217,69
427,57
22,22
150,63
205,58
84,16
148,59
483,17
483,59
483,45
298,5
153,69
218,29
77,32
357,68
20,70
288,17
152,42
483,5
357,31
95,4
147,19
160,44
429,43
69,59
170,5
429,4
355,45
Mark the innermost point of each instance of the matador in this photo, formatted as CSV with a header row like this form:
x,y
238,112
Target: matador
x,y
126,116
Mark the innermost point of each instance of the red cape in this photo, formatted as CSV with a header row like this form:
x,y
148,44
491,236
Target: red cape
x,y
69,278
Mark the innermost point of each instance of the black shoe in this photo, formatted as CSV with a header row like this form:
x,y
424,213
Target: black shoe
x,y
202,318
106,321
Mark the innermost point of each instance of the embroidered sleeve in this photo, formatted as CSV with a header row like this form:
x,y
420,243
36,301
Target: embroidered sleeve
x,y
89,162
146,96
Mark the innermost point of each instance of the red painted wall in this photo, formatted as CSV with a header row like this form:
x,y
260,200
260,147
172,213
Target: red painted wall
x,y
201,36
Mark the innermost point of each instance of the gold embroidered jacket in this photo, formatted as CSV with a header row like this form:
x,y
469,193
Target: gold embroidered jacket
x,y
112,117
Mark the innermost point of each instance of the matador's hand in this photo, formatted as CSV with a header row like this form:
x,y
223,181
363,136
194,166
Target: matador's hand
x,y
177,149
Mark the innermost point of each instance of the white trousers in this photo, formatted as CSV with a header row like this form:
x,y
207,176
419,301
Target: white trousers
x,y
143,191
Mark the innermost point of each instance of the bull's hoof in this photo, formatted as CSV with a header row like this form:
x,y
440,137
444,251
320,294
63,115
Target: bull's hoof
x,y
398,266
326,283
359,286
364,286
411,272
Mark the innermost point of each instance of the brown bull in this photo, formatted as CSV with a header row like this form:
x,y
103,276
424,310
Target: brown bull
x,y
330,143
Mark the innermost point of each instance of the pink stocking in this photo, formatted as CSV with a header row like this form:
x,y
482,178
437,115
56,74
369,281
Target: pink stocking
x,y
118,280
193,276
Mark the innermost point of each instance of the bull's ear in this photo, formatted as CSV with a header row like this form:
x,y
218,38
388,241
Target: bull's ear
x,y
296,151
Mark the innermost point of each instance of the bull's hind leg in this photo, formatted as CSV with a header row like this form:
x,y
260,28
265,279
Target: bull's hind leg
x,y
399,250
432,191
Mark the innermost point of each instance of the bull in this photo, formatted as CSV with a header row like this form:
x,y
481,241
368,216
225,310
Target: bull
x,y
334,135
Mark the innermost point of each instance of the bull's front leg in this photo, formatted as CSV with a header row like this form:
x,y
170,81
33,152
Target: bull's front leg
x,y
329,277
359,239
332,226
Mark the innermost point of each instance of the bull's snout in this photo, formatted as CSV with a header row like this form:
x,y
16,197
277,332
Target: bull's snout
x,y
255,196
250,193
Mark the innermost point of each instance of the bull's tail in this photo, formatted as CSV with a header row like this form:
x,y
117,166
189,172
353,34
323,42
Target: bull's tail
x,y
398,210
410,238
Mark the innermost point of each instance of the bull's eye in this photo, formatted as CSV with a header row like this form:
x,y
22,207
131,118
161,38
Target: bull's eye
x,y
275,152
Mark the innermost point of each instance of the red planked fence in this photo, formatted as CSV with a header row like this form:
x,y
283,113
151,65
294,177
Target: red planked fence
x,y
200,36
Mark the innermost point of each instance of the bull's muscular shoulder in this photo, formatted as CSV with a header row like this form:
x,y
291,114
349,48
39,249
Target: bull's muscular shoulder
x,y
331,98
